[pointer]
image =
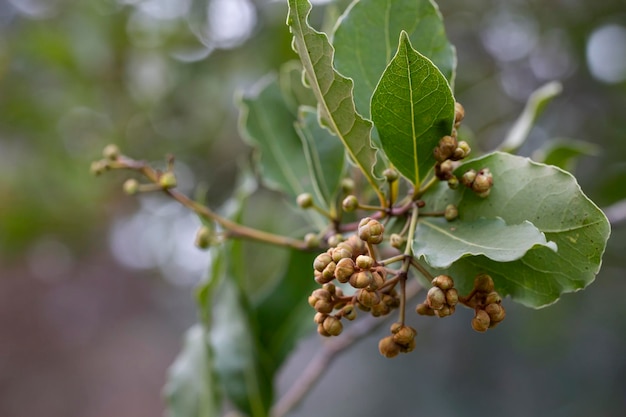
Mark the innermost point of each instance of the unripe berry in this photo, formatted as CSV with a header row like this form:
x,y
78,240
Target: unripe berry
x,y
167,180
344,270
364,261
483,283
468,178
445,282
371,230
333,326
435,298
350,203
388,348
452,297
131,186
321,261
361,279
391,175
111,152
349,312
481,321
368,298
305,200
204,236
424,310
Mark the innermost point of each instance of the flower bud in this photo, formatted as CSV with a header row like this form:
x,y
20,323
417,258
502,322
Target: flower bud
x,y
404,335
364,261
333,326
340,253
344,270
445,148
452,297
98,167
131,186
481,321
435,298
443,170
424,310
350,203
361,279
378,280
388,348
483,181
483,283
311,240
445,282
204,236
319,318
496,313
368,298
167,180
451,212
493,298
459,113
445,311
349,312
304,200
323,306
391,175
347,185
335,240
328,274
111,152
322,331
380,309
371,230
397,241
322,294
321,261
453,183
468,178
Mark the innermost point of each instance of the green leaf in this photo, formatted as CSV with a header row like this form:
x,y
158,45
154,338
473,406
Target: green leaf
x,y
412,108
535,105
191,388
564,153
442,243
366,36
552,200
266,122
294,91
324,155
332,91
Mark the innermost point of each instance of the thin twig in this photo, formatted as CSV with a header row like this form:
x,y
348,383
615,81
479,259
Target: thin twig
x,y
329,352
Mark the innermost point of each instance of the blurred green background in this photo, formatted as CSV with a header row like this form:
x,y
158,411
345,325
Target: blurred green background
x,y
95,287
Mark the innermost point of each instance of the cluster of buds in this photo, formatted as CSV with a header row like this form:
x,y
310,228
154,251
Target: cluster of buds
x,y
350,262
480,182
486,302
450,149
401,340
441,299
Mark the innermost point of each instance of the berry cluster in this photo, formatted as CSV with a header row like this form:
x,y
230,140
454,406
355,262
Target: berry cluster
x,y
486,302
350,262
450,149
480,182
441,299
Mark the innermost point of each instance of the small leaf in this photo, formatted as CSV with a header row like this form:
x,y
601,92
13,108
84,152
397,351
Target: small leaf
x,y
535,105
441,242
191,388
324,155
366,36
332,91
564,153
266,122
413,108
552,200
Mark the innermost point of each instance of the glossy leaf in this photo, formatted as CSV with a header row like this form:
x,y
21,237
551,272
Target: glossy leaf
x,y
365,41
324,155
332,91
535,105
441,242
412,108
266,122
552,200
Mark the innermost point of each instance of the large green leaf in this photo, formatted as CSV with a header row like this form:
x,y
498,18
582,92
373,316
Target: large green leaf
x,y
324,155
191,388
332,90
266,121
441,242
291,84
366,36
413,108
552,200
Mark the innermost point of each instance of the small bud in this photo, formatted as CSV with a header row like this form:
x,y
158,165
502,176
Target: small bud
x,y
445,282
435,298
364,261
111,152
335,240
445,311
464,146
391,301
459,113
368,298
424,310
462,151
395,327
131,186
347,185
204,237
340,253
329,272
482,183
322,331
361,279
445,148
481,321
304,200
319,318
344,270
391,175
323,306
357,246
388,348
493,298
311,240
496,313
333,326
483,283
380,309
378,280
397,241
322,294
451,212
371,230
350,203
322,261
452,297
349,312
330,287
443,170
404,335
98,167
453,183
468,178
313,300
167,180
